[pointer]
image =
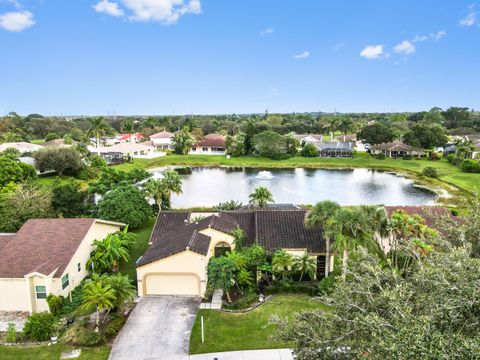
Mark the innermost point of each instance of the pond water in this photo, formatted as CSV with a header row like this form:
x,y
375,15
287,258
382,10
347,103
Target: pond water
x,y
210,186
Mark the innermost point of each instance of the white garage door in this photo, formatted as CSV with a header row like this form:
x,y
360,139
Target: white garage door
x,y
172,284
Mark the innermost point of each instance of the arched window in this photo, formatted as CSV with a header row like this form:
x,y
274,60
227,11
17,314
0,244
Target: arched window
x,y
222,248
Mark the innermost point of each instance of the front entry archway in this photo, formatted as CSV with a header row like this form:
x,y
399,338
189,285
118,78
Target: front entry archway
x,y
222,248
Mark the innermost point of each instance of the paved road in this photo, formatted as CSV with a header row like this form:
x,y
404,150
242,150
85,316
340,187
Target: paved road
x,y
158,328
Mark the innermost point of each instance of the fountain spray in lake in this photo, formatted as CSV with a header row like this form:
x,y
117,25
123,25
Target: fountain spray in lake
x,y
264,175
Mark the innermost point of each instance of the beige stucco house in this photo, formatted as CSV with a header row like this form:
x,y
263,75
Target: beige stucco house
x,y
46,256
212,144
396,149
182,245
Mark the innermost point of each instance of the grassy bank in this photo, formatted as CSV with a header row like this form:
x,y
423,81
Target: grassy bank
x,y
51,352
249,331
447,173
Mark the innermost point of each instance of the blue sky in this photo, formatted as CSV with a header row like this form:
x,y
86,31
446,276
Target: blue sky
x,y
237,56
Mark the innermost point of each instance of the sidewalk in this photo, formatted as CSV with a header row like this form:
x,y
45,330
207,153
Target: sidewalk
x,y
271,354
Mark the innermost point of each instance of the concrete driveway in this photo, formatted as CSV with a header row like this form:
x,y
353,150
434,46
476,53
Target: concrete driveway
x,y
158,328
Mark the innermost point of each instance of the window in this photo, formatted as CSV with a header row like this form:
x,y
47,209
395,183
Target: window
x,y
79,267
65,281
205,149
41,292
194,149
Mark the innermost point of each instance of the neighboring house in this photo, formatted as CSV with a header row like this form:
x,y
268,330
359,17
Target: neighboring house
x,y
117,153
162,140
307,138
212,144
396,149
182,245
133,138
475,139
334,149
22,147
59,143
347,138
46,256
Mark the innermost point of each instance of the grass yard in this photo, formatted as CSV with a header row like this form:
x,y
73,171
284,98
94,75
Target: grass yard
x,y
447,172
51,352
252,330
138,249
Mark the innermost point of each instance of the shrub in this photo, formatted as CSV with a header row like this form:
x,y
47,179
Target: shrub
x,y
39,326
11,335
114,326
80,335
243,303
77,299
65,161
407,157
55,304
456,161
29,172
434,156
309,150
470,166
430,172
381,156
52,136
305,287
450,157
326,285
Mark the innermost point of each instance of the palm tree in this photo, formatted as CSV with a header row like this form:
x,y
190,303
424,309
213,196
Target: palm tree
x,y
155,189
123,289
172,182
349,227
378,221
345,125
318,217
261,196
110,251
282,262
305,264
98,296
98,127
332,125
161,190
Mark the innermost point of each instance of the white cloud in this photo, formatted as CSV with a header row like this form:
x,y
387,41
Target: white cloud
x,y
432,36
16,20
372,52
438,35
405,47
302,55
468,20
420,38
164,11
107,7
267,32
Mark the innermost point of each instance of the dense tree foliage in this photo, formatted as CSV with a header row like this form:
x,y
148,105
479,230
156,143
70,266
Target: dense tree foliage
x,y
376,133
270,144
68,199
65,161
182,141
425,135
125,204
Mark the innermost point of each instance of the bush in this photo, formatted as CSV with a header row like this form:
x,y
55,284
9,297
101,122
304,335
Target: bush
x,y
65,161
55,304
470,166
450,157
434,156
77,299
80,335
430,172
29,172
381,156
456,161
11,335
309,150
114,326
52,136
39,326
407,157
326,285
305,287
242,303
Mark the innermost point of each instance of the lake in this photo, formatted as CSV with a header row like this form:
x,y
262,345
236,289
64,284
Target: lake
x,y
203,186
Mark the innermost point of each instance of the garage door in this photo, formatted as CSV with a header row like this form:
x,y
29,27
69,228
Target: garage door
x,y
172,284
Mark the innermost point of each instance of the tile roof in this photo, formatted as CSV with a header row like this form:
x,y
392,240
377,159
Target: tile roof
x,y
42,245
272,229
212,140
162,135
394,146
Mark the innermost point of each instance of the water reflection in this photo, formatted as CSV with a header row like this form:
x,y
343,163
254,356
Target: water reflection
x,y
209,186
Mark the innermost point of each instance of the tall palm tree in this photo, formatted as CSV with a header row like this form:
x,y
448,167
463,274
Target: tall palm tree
x,y
261,196
332,125
349,227
172,182
98,296
123,289
155,189
345,125
128,127
318,217
282,262
97,128
378,222
305,264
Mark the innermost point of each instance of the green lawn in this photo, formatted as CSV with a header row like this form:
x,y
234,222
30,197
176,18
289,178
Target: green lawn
x,y
252,330
447,172
138,249
51,352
